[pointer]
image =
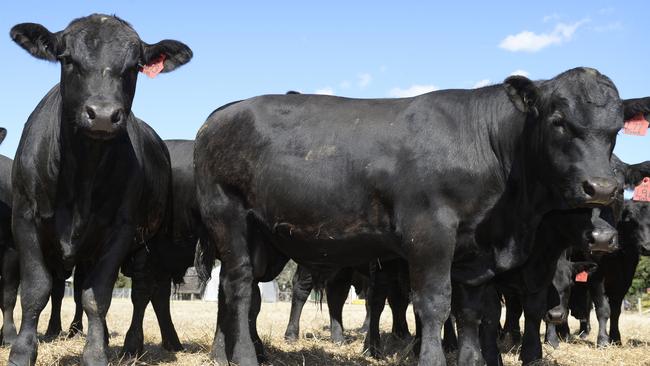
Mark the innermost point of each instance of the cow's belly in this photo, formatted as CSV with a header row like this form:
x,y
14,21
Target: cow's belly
x,y
349,251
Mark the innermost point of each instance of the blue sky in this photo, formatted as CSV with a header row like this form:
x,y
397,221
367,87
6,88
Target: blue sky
x,y
363,49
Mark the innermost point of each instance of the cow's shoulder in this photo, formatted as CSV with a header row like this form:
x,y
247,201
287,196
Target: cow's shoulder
x,y
37,162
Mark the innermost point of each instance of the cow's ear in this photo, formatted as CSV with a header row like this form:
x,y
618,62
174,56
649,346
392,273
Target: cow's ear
x,y
632,107
3,134
175,54
635,173
589,267
523,93
37,40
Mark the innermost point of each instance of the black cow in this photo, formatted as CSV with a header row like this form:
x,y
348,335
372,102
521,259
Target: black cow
x,y
529,284
460,176
607,286
89,176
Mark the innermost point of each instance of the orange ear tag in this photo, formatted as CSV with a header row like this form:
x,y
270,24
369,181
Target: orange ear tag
x,y
153,69
642,191
637,126
582,276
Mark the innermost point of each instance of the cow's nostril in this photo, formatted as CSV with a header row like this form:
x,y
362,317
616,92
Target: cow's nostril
x,y
91,113
116,116
589,188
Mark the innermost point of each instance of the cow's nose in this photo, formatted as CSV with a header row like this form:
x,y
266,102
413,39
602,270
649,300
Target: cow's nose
x,y
604,240
555,316
102,116
599,190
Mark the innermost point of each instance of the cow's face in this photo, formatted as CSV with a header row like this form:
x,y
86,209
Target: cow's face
x,y
573,120
100,56
635,225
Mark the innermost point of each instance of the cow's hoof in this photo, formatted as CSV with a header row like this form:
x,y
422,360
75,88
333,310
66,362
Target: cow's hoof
x,y
23,352
372,348
8,339
553,343
291,337
602,342
338,339
133,344
74,331
94,357
52,334
173,346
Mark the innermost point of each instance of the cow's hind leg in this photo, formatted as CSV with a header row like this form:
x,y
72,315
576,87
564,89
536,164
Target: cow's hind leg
x,y
160,300
430,238
511,328
468,305
54,326
615,303
9,284
489,328
76,327
225,221
449,340
36,284
601,304
398,297
337,289
256,305
302,285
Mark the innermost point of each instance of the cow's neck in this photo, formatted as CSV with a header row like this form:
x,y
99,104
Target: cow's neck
x,y
510,228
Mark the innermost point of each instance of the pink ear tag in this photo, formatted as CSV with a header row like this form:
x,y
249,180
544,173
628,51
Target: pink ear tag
x,y
582,276
153,69
637,126
642,191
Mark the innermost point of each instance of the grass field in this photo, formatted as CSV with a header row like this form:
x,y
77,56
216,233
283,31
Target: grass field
x,y
195,322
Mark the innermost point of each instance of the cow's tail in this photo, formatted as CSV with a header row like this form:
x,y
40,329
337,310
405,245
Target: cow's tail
x,y
206,254
318,283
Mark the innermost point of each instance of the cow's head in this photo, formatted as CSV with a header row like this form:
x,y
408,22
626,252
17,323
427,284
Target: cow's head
x,y
635,225
573,120
563,280
100,56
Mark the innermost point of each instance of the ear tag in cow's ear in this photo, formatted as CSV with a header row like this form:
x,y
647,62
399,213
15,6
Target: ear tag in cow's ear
x,y
642,191
582,276
637,126
154,68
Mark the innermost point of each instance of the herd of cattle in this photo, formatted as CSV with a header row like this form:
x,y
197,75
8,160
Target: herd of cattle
x,y
455,200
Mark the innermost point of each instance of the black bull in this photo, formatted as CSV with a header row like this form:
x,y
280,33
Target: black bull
x,y
451,176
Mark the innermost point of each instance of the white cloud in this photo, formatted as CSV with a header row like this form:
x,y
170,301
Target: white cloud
x,y
345,84
325,91
548,18
520,72
528,41
411,91
364,80
482,83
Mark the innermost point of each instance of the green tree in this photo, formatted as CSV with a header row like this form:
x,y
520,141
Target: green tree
x,y
641,279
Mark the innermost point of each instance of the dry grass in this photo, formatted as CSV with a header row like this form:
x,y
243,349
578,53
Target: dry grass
x,y
195,322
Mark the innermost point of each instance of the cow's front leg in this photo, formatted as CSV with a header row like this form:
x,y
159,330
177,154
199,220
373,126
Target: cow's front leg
x,y
256,306
9,281
468,304
551,336
142,287
489,328
76,326
301,287
54,326
36,284
601,304
534,306
160,301
429,238
97,293
376,296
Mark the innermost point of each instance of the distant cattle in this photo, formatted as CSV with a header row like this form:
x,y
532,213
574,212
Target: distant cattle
x,y
92,182
460,176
